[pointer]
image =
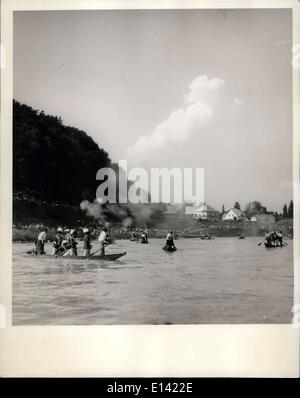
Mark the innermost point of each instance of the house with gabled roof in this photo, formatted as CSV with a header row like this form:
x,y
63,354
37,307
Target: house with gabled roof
x,y
206,212
234,215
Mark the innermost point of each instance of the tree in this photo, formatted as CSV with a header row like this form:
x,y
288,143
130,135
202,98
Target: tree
x,y
237,206
223,209
53,162
254,207
290,212
285,211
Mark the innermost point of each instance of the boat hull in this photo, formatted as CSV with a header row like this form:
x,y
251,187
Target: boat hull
x,y
169,249
107,257
272,247
199,237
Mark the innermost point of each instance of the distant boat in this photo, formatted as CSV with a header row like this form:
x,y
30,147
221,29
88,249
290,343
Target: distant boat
x,y
170,249
271,246
204,237
207,237
241,237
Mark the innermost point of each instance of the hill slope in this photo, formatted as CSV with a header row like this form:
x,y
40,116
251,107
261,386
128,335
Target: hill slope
x,y
51,161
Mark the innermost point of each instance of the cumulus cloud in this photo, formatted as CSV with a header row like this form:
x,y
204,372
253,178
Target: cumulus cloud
x,y
238,101
198,114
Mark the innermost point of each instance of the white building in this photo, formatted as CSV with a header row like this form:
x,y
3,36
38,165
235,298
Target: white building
x,y
206,212
234,215
172,209
189,209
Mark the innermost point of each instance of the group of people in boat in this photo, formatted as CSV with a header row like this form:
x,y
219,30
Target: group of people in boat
x,y
139,236
65,242
274,238
142,237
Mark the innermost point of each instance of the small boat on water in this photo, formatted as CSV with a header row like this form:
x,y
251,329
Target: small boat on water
x,y
170,249
203,237
207,237
107,257
271,246
241,237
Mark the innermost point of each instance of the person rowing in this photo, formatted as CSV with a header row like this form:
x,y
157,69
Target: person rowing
x,y
144,237
40,243
280,238
57,242
103,241
170,241
133,236
86,242
71,245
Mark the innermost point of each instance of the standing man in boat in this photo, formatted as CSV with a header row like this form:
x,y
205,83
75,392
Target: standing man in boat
x,y
267,238
103,241
86,242
280,238
71,243
57,242
170,240
144,237
40,244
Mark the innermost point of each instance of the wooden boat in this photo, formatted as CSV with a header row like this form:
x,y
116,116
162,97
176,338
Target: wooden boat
x,y
270,246
207,237
203,237
107,257
241,237
169,249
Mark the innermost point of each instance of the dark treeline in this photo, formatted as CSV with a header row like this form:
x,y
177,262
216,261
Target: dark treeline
x,y
51,161
288,212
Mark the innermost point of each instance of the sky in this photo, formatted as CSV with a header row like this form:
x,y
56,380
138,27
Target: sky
x,y
205,89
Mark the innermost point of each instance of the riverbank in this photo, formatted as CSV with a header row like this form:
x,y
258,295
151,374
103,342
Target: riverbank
x,y
31,216
29,233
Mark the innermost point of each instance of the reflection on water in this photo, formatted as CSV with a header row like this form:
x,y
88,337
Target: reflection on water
x,y
225,280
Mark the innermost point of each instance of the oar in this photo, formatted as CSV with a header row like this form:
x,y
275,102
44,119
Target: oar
x,y
61,254
259,244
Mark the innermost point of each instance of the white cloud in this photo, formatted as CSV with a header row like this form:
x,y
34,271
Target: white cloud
x,y
238,101
202,109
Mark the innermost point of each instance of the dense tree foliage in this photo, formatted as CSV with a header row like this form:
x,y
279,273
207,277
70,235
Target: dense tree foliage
x,y
237,206
255,207
290,211
52,161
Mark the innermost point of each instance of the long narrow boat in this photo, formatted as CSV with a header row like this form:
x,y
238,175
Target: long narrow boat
x,y
107,257
203,237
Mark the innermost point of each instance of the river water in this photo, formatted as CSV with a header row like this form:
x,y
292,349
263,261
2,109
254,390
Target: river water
x,y
225,280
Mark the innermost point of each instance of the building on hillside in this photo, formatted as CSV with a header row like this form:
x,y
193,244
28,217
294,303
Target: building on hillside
x,y
206,212
189,209
234,215
253,219
172,209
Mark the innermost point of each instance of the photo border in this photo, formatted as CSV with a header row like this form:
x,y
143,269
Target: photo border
x,y
143,350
